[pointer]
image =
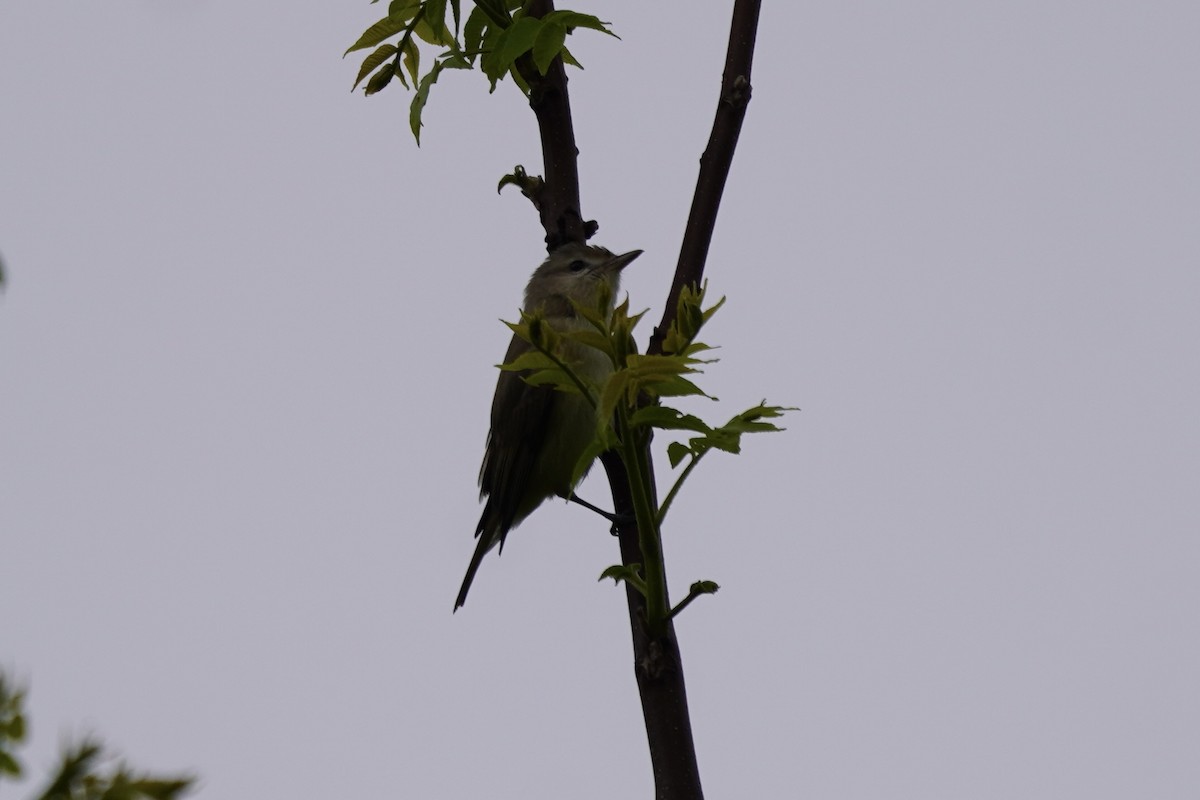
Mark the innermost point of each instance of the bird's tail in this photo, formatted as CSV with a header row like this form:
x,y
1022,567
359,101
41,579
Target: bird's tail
x,y
490,533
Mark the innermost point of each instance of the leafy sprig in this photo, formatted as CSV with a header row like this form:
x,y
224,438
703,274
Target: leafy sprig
x,y
629,409
497,35
82,773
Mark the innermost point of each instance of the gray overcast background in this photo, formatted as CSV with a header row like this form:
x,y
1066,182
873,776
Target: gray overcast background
x,y
246,361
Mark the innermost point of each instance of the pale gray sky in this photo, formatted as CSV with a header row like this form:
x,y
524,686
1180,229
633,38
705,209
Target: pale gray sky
x,y
246,362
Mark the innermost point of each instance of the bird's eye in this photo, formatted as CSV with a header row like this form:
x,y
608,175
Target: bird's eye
x,y
578,266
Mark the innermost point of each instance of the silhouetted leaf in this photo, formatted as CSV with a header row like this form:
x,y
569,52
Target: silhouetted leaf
x,y
381,78
677,452
573,19
383,29
381,54
422,95
547,45
515,41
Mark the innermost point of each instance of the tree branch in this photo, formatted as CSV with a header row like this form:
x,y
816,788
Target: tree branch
x,y
558,200
716,161
658,666
657,662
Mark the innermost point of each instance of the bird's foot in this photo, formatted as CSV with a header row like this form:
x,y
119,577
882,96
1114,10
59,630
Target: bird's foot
x,y
617,520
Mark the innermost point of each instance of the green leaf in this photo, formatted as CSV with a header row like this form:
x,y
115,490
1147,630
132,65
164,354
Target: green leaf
x,y
677,452
665,418
552,377
653,366
708,312
548,44
490,55
697,589
592,339
385,28
530,185
570,59
690,317
519,79
403,9
534,329
620,333
435,19
630,574
615,388
636,318
515,41
412,62
678,387
661,375
529,360
537,366
381,54
496,11
728,437
428,32
158,789
748,420
719,439
454,60
597,446
381,79
420,99
9,765
16,728
422,95
477,21
618,572
596,315
573,19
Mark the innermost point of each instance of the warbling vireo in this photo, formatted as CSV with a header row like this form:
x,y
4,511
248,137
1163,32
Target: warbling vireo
x,y
538,433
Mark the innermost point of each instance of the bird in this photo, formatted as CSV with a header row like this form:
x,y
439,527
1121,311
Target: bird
x,y
538,433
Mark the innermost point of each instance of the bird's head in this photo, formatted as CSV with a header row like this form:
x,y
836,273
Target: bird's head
x,y
577,272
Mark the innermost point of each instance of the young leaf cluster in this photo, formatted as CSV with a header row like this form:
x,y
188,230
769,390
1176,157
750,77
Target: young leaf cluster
x,y
496,34
12,726
629,407
81,774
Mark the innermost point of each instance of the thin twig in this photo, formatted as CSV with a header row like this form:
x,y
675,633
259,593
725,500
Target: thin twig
x,y
716,161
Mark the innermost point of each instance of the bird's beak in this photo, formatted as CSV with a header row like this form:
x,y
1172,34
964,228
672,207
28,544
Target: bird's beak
x,y
620,262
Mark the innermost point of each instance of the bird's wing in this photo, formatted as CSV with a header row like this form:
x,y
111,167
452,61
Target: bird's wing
x,y
519,420
519,414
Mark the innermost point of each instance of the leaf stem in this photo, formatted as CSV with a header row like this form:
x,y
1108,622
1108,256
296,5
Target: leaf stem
x,y
685,602
666,504
633,452
575,379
